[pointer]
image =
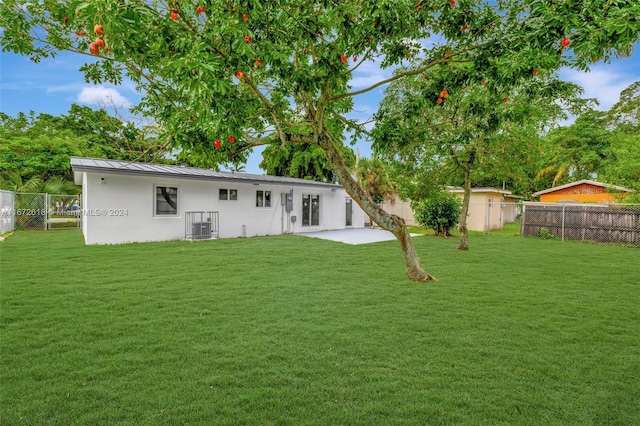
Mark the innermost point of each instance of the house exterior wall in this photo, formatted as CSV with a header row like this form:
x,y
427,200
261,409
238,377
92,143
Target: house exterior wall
x,y
400,208
583,193
83,218
480,218
129,204
511,209
495,211
486,211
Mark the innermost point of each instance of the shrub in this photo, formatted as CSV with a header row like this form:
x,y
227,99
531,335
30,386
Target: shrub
x,y
545,234
439,212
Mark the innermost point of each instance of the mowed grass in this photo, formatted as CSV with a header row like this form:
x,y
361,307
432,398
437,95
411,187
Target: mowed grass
x,y
293,330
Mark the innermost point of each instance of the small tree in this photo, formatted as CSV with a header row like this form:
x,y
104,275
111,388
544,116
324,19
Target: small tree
x,y
443,137
439,212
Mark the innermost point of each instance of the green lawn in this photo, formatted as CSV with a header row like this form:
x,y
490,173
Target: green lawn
x,y
295,330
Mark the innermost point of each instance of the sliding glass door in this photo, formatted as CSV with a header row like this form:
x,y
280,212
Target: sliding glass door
x,y
310,210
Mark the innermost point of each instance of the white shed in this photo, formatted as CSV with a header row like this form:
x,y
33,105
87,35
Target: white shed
x,y
126,202
490,208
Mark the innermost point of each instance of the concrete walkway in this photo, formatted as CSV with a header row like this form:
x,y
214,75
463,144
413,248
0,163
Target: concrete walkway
x,y
354,236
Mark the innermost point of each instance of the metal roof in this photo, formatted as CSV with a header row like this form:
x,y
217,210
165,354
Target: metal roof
x,y
581,182
505,192
96,165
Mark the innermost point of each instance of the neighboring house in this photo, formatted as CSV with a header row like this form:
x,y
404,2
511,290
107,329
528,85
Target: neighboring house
x,y
134,202
582,191
489,208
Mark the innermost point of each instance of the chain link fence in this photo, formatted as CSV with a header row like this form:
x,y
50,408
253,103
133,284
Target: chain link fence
x,y
7,218
30,211
34,211
602,223
63,211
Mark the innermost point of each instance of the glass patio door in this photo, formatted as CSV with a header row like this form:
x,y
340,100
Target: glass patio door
x,y
310,210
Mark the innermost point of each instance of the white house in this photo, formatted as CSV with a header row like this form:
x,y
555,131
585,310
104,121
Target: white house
x,y
135,202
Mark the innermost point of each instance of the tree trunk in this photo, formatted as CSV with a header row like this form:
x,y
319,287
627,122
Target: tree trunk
x,y
391,223
464,212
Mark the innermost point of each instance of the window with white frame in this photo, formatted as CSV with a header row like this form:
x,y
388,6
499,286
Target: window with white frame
x,y
310,210
228,194
263,198
166,200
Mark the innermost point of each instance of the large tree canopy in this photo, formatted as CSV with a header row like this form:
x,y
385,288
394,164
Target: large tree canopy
x,y
603,145
35,149
577,151
448,139
302,161
625,114
249,73
622,166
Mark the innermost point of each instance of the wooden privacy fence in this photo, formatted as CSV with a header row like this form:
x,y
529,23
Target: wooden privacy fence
x,y
610,223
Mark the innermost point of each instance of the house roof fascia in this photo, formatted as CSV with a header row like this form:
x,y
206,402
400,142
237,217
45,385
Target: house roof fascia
x,y
581,182
95,165
506,192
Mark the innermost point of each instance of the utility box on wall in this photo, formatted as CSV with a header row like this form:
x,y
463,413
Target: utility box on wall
x,y
287,201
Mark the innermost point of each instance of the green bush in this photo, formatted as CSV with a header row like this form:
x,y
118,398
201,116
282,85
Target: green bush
x,y
439,212
545,234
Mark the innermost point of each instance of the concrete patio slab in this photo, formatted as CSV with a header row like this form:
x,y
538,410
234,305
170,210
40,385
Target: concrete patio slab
x,y
354,236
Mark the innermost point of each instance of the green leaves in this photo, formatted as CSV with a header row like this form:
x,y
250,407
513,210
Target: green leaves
x,y
374,176
440,212
602,145
39,147
471,132
301,161
186,67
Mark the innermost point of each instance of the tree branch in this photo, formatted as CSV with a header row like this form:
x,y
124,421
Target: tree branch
x,y
352,124
433,63
128,65
268,105
387,81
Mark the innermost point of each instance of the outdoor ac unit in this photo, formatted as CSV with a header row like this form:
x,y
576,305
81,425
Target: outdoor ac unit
x,y
201,231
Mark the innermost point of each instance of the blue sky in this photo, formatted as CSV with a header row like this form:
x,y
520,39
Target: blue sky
x,y
52,85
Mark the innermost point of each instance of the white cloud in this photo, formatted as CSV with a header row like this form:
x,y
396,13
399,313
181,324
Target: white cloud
x,y
72,87
603,84
368,74
103,97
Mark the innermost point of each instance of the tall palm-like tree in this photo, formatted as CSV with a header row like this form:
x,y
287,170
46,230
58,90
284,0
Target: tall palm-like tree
x,y
15,182
373,175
